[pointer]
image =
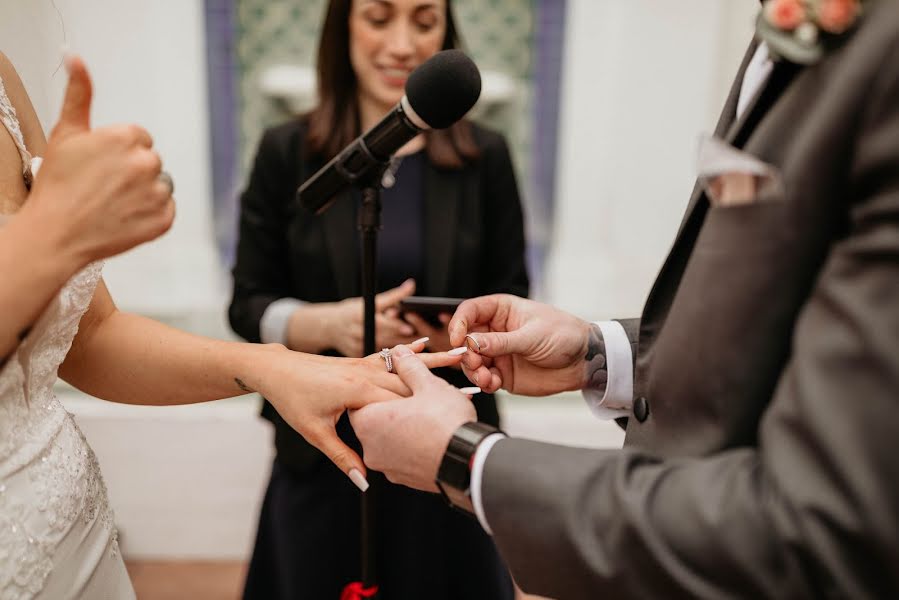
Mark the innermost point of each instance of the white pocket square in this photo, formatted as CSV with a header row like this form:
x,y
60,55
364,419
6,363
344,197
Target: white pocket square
x,y
732,177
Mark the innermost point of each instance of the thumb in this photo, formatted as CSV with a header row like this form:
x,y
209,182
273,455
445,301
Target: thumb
x,y
411,369
387,299
496,344
344,457
76,106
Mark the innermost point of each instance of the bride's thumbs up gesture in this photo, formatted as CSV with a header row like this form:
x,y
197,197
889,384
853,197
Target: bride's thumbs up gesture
x,y
98,192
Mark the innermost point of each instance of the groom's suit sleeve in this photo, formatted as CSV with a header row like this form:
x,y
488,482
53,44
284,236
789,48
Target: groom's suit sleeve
x,y
811,511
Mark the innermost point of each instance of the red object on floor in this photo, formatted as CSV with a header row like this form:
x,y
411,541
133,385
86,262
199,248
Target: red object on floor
x,y
356,591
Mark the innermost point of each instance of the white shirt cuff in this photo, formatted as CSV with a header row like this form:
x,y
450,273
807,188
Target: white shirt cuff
x,y
477,474
616,400
274,321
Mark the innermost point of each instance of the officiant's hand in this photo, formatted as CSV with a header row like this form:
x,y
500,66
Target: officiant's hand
x,y
311,393
438,335
342,326
520,345
98,191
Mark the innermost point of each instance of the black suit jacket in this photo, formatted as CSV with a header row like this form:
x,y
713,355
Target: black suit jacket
x,y
761,456
474,240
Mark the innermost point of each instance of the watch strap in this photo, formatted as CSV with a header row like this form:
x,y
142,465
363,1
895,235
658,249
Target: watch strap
x,y
454,475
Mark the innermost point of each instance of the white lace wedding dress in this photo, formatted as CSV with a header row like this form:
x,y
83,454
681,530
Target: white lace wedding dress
x,y
57,537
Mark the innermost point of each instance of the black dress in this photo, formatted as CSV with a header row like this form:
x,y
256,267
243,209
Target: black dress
x,y
454,232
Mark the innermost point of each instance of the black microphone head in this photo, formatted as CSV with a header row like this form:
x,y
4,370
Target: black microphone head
x,y
443,88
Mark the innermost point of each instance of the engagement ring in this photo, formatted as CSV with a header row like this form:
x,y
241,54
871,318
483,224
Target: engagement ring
x,y
385,354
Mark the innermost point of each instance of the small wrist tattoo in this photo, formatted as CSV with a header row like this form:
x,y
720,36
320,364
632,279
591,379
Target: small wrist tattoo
x,y
243,386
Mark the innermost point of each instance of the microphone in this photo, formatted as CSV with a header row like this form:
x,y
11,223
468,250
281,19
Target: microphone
x,y
439,92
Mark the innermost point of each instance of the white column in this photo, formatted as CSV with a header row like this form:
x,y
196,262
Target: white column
x,y
641,80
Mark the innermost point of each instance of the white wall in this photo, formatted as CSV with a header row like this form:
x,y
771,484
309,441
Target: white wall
x,y
149,66
641,80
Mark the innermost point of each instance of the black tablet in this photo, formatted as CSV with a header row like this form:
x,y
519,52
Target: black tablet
x,y
429,307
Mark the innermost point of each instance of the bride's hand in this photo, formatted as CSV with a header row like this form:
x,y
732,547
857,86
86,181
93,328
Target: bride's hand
x,y
98,192
311,393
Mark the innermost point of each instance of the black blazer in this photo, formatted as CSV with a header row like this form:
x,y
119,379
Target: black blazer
x,y
474,245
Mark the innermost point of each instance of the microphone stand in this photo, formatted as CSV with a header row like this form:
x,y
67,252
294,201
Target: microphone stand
x,y
369,226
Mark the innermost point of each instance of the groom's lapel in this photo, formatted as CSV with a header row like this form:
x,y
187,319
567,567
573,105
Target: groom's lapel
x,y
725,121
735,131
781,76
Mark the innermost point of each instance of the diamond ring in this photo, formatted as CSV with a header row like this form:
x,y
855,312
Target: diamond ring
x,y
385,354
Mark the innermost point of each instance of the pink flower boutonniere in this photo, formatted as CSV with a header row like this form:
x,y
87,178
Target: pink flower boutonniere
x,y
800,31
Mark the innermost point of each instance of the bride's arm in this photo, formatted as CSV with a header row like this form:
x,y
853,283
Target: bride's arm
x,y
34,266
127,358
131,359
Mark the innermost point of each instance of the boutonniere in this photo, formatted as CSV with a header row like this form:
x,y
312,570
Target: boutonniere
x,y
801,31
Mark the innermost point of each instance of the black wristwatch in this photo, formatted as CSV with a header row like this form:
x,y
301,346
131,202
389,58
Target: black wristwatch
x,y
454,475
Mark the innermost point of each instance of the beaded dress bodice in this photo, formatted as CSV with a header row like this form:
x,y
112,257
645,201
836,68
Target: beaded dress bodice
x,y
52,496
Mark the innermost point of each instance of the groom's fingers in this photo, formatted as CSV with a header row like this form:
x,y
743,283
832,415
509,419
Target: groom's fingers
x,y
473,314
488,379
412,370
497,344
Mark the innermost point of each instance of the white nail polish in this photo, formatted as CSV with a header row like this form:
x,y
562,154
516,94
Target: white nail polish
x,y
458,351
359,479
423,340
470,391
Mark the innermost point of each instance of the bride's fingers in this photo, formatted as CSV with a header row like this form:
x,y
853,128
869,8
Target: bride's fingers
x,y
385,386
346,459
419,345
433,360
416,346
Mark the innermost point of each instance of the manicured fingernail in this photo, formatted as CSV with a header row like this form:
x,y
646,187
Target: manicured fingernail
x,y
359,479
401,351
470,391
423,340
458,351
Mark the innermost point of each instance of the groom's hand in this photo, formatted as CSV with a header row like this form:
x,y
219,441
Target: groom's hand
x,y
520,345
406,439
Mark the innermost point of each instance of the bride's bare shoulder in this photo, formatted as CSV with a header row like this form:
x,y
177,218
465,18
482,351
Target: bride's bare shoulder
x,y
35,140
12,187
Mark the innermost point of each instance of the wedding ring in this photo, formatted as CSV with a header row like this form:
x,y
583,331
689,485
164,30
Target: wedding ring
x,y
472,344
385,354
166,179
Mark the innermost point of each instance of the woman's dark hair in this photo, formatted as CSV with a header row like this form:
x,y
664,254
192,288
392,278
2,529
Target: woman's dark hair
x,y
335,122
